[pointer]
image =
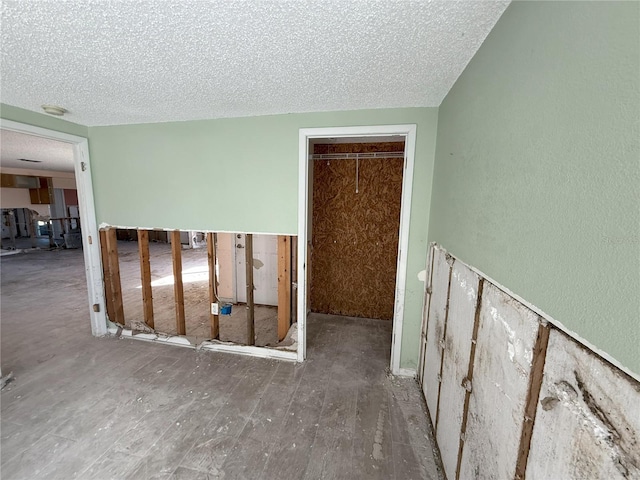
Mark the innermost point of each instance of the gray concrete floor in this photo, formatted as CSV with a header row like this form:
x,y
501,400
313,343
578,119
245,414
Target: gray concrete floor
x,y
86,407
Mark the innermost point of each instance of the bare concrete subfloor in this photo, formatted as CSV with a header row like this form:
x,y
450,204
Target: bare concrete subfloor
x,y
195,278
86,407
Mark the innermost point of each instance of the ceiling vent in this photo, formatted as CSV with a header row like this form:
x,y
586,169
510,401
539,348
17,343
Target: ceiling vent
x,y
28,160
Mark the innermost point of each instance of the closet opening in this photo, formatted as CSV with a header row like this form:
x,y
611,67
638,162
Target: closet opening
x,y
356,222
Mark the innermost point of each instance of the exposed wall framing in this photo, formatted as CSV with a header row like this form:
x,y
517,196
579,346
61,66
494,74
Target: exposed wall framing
x,y
213,283
248,259
183,297
284,286
113,270
176,250
514,397
145,277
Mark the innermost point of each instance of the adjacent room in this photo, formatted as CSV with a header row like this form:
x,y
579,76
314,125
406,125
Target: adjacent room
x,y
287,239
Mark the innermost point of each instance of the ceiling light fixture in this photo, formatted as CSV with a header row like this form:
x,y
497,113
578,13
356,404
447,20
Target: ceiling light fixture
x,y
54,110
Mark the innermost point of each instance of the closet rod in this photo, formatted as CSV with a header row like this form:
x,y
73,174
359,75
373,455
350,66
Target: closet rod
x,y
353,156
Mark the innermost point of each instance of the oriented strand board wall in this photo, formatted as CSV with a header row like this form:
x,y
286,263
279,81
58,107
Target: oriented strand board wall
x,y
511,396
355,235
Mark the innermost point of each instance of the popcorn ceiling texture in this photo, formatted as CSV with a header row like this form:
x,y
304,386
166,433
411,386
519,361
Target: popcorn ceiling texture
x,y
52,154
156,61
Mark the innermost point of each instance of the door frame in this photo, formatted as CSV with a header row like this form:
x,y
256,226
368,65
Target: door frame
x,y
90,236
408,131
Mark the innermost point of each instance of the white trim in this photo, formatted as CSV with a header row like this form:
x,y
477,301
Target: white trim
x,y
262,352
306,134
90,236
184,342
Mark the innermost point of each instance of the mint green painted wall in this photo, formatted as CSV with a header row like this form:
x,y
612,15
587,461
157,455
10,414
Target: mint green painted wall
x,y
241,174
9,112
537,174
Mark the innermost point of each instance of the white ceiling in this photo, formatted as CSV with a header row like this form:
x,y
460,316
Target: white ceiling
x,y
52,154
119,62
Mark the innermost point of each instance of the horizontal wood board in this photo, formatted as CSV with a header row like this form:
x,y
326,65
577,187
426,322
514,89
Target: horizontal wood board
x,y
435,330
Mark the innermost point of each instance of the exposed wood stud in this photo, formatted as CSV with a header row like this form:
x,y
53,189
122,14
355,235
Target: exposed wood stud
x,y
284,286
535,384
176,251
145,277
106,273
442,340
425,316
469,377
248,252
114,276
213,283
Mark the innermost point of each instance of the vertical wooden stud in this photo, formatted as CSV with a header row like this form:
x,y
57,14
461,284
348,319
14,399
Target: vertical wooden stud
x,y
451,261
178,289
294,279
145,277
535,385
106,272
284,286
114,275
469,378
425,315
213,283
248,258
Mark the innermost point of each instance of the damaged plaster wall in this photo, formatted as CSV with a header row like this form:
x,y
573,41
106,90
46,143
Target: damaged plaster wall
x,y
511,396
537,179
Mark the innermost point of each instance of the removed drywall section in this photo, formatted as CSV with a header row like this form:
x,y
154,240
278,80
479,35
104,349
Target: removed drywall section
x,y
508,381
162,166
537,179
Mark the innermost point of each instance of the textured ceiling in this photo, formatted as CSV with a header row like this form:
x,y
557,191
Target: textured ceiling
x,y
53,155
118,62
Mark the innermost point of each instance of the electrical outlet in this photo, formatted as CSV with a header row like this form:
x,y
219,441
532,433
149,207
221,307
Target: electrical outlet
x,y
214,309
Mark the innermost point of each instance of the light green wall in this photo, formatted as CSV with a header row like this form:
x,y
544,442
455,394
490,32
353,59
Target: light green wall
x,y
9,112
537,175
241,175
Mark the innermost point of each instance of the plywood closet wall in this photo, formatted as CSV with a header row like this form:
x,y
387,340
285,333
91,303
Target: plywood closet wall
x,y
355,235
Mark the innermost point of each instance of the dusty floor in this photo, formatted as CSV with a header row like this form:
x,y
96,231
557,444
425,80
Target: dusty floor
x,y
86,407
195,278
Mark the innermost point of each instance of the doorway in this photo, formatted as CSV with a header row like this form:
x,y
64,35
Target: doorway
x,y
399,176
356,199
81,170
